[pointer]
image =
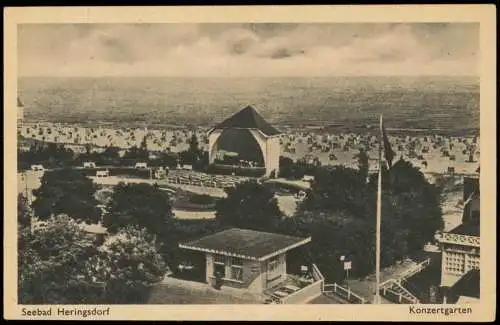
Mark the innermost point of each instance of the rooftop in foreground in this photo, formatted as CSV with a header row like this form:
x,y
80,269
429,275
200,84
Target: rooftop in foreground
x,y
468,285
245,243
468,229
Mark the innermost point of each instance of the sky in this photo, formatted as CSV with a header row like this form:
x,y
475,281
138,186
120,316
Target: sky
x,y
248,50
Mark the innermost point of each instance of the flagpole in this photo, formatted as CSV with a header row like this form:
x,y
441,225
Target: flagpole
x,y
379,216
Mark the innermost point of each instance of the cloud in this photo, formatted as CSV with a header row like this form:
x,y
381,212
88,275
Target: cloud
x,y
247,49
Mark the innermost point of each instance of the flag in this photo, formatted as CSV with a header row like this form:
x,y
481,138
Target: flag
x,y
388,152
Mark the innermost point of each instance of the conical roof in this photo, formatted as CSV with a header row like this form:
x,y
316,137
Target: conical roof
x,y
248,118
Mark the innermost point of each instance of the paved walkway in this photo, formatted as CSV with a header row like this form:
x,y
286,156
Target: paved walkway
x,y
326,300
176,291
183,214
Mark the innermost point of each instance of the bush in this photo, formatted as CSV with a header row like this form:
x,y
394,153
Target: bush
x,y
202,199
181,231
238,171
339,215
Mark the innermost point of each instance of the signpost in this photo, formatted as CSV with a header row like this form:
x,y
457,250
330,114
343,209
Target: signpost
x,y
347,267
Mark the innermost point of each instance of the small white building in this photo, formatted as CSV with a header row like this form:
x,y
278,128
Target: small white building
x,y
461,246
187,167
102,173
141,165
308,178
246,259
37,167
89,164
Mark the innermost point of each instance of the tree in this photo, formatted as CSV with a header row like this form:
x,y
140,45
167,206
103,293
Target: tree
x,y
51,155
363,163
111,155
144,143
135,153
128,263
24,212
139,204
334,234
52,263
66,191
202,163
343,207
193,154
249,205
168,159
337,189
412,201
193,145
286,165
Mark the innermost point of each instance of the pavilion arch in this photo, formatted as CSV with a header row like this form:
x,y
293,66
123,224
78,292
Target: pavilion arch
x,y
248,124
250,147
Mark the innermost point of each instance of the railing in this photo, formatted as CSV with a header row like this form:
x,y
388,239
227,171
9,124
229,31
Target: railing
x,y
308,292
405,296
387,287
344,293
408,273
317,275
414,290
305,294
460,239
393,296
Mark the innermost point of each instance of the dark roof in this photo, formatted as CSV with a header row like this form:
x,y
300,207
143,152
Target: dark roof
x,y
471,185
468,229
248,118
19,103
245,243
467,285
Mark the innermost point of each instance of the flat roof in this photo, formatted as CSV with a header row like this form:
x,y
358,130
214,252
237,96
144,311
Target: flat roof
x,y
246,244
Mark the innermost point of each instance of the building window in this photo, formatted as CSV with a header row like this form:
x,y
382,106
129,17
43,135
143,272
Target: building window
x,y
472,263
455,263
220,265
273,267
237,269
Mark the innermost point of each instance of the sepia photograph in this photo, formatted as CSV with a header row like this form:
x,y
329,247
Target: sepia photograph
x,y
248,163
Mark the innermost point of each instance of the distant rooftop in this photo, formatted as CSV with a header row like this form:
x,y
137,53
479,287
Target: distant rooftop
x,y
245,243
471,185
248,118
19,102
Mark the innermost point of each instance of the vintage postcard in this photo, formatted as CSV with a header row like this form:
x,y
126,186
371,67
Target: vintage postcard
x,y
229,163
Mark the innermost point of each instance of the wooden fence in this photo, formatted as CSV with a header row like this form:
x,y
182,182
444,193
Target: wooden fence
x,y
344,293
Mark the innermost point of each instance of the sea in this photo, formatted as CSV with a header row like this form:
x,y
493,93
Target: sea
x,y
447,104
